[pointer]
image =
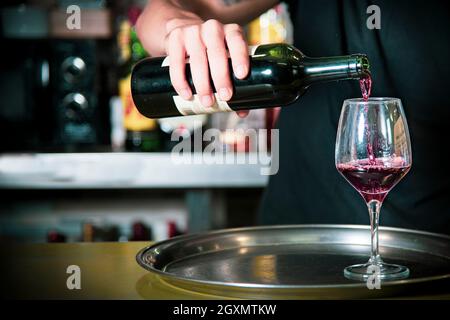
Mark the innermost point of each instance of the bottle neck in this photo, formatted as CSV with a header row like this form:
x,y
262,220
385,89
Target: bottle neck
x,y
355,66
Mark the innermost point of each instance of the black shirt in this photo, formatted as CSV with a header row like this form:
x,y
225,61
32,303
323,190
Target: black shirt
x,y
409,58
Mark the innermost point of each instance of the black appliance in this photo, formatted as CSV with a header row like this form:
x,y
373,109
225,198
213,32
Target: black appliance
x,y
73,70
51,95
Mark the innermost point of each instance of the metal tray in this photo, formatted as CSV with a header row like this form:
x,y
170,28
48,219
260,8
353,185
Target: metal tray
x,y
298,261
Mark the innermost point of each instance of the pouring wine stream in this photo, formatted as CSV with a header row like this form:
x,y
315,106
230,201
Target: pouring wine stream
x,y
366,90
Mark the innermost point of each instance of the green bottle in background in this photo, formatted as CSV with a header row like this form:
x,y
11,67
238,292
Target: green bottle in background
x,y
142,133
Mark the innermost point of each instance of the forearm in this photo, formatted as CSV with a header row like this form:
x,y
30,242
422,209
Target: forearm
x,y
160,16
151,25
241,12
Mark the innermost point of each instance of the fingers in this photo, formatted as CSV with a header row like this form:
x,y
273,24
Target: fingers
x,y
238,49
213,38
198,61
177,53
206,45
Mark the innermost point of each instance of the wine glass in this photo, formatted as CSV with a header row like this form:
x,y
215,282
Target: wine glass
x,y
373,153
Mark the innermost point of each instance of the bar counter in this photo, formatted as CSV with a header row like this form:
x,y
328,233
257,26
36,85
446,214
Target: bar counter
x,y
108,271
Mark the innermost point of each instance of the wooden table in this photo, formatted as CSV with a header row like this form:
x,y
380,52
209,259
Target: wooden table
x,y
108,271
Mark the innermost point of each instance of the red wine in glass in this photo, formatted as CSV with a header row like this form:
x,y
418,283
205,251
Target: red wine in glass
x,y
373,153
373,179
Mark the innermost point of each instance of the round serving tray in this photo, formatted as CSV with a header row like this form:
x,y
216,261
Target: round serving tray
x,y
298,261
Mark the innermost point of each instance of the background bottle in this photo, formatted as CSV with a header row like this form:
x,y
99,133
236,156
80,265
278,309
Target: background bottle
x,y
279,75
140,232
142,134
172,229
54,236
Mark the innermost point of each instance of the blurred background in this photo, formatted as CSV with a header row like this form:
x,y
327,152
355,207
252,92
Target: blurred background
x,y
78,162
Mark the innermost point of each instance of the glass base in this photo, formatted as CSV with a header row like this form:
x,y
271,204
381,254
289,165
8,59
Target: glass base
x,y
384,271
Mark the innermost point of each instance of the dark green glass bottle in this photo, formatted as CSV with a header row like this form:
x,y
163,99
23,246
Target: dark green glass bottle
x,y
279,75
142,134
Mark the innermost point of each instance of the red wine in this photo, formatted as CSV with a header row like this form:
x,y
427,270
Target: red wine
x,y
374,179
279,75
366,87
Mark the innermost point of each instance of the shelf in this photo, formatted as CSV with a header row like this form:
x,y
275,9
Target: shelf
x,y
128,170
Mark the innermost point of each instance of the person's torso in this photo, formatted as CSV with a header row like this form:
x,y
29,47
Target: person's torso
x,y
409,60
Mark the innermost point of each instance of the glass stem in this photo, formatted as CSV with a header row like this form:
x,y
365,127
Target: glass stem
x,y
374,214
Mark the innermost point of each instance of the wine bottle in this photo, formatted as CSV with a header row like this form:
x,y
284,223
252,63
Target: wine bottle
x,y
140,232
279,75
55,237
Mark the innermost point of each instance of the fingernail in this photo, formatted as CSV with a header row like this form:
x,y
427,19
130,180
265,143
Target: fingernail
x,y
241,71
225,94
207,101
185,93
242,114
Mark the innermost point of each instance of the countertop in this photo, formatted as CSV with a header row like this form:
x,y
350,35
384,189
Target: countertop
x,y
108,270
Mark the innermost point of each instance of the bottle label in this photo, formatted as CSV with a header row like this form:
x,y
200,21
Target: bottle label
x,y
194,106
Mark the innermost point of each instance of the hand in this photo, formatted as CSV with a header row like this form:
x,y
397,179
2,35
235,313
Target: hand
x,y
206,44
